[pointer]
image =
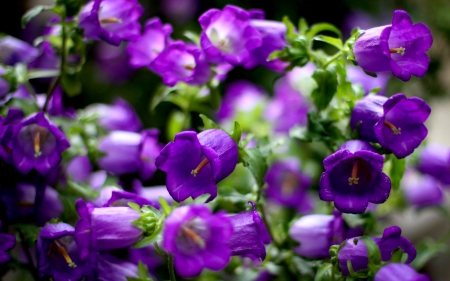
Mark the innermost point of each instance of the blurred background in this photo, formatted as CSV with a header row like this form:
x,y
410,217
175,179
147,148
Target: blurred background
x,y
105,77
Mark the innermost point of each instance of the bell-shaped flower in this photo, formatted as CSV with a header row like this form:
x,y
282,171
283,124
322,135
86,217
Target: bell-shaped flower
x,y
128,152
113,268
150,44
112,21
58,255
399,272
357,254
434,160
7,242
353,177
197,239
357,76
13,117
399,47
36,143
287,185
181,62
196,163
421,190
55,106
228,35
396,122
13,50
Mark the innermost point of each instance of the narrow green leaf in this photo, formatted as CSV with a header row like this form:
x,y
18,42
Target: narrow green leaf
x,y
71,84
175,123
160,95
302,26
208,123
327,82
142,270
397,255
290,28
323,26
30,14
134,206
194,37
165,206
255,162
397,170
237,132
324,272
42,73
336,42
215,98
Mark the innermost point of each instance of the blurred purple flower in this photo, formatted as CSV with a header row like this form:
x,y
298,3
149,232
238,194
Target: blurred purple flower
x,y
434,160
180,11
7,242
399,272
421,191
13,50
357,76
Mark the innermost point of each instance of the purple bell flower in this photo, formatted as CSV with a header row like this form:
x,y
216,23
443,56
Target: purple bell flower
x,y
228,36
247,238
181,62
396,122
180,11
113,268
58,255
79,168
196,163
421,191
7,242
128,152
399,272
13,117
150,44
112,64
287,185
107,228
399,47
357,76
197,239
55,106
357,253
13,50
36,143
353,177
434,160
111,20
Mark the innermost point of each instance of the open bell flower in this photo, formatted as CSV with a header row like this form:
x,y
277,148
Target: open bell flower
x,y
396,123
196,163
7,242
197,239
399,272
399,47
353,177
111,20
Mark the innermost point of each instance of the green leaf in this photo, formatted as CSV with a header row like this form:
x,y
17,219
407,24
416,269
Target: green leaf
x,y
208,123
323,26
255,162
42,73
194,37
134,206
143,271
215,98
237,132
175,123
349,44
327,82
426,250
373,252
71,84
290,28
160,94
396,172
396,255
336,42
324,272
30,14
302,26
165,206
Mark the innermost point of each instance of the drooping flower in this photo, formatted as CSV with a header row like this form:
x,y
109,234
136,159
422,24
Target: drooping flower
x,y
195,163
7,242
13,50
112,21
396,122
113,268
128,152
58,255
55,106
197,239
150,44
357,76
399,272
356,251
421,190
434,160
353,177
287,185
181,62
247,238
399,47
228,36
36,143
317,233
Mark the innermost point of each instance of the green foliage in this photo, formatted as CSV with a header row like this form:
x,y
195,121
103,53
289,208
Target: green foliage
x,y
142,273
327,84
151,221
394,168
30,14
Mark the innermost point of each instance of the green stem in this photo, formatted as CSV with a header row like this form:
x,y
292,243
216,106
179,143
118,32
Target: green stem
x,y
269,229
170,265
332,59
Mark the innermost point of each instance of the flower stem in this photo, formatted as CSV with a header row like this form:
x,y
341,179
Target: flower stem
x,y
170,265
332,59
269,229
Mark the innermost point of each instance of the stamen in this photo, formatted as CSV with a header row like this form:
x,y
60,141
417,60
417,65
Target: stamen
x,y
289,184
37,144
199,167
189,67
353,179
110,20
395,130
399,50
193,236
64,253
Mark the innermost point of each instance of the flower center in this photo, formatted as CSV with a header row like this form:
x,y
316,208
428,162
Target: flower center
x,y
57,247
37,144
289,184
220,43
354,179
199,167
191,235
395,130
399,50
110,20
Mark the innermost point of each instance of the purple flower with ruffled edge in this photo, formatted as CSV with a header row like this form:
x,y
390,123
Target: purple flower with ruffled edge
x,y
128,152
399,47
228,36
197,239
272,34
58,255
396,122
181,62
421,190
13,50
150,44
106,228
287,185
357,76
112,21
317,233
434,160
7,242
353,177
399,272
247,238
36,143
357,253
13,117
195,163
